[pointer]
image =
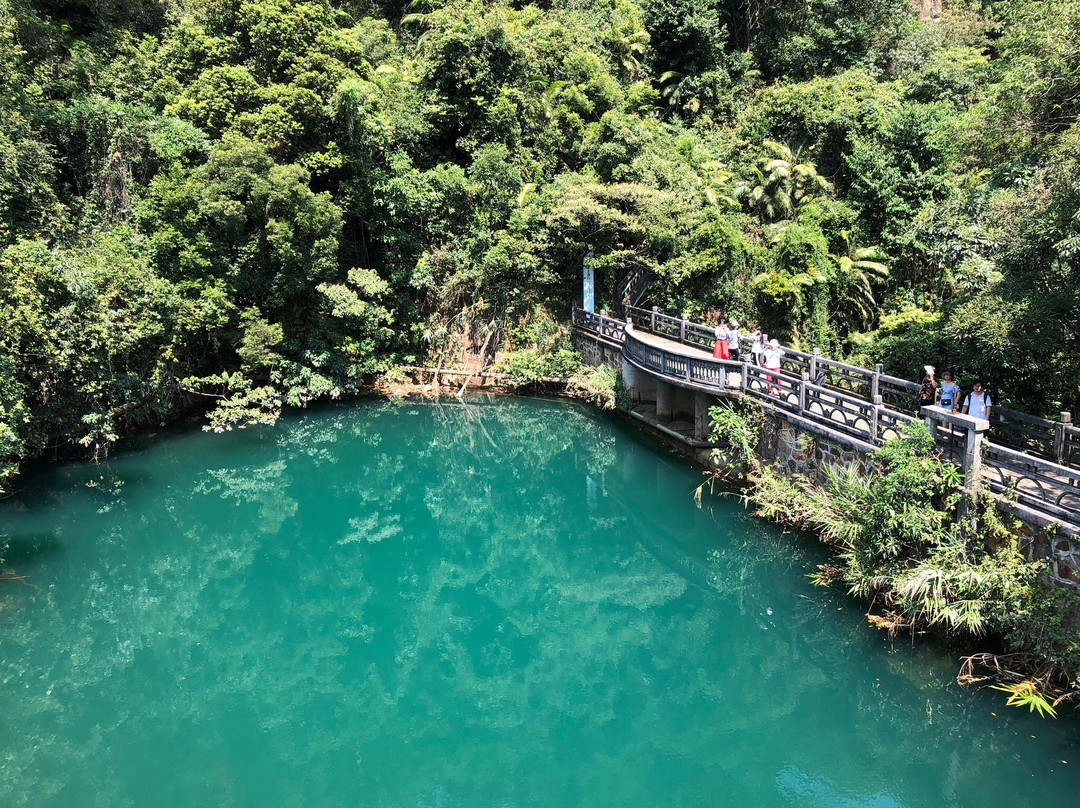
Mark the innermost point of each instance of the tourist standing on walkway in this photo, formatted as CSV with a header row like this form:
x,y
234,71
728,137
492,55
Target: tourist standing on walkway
x,y
772,363
950,392
928,391
734,340
720,347
977,403
757,348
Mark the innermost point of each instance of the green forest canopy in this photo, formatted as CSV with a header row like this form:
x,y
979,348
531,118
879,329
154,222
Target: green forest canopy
x,y
262,203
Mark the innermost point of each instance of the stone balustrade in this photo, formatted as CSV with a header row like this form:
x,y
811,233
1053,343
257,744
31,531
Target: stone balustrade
x,y
847,405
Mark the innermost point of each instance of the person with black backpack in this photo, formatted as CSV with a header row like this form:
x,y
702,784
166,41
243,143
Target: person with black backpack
x,y
977,403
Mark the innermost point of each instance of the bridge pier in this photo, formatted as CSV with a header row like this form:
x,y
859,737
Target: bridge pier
x,y
702,422
974,429
639,385
665,402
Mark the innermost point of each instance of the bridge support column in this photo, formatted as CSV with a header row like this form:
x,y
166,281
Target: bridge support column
x,y
972,458
631,377
665,400
702,423
972,463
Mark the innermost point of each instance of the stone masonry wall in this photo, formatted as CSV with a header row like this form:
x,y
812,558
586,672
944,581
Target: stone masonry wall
x,y
796,452
1065,561
1063,552
596,353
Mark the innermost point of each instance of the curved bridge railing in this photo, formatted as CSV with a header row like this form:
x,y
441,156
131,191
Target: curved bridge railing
x,y
705,373
1057,441
1048,490
870,423
899,393
606,328
1034,484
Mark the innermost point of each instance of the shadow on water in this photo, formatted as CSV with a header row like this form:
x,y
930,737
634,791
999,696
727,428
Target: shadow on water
x,y
762,567
100,483
741,542
19,549
62,472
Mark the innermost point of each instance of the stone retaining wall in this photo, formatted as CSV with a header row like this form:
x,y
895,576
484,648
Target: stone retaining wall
x,y
596,353
1064,553
795,451
1065,561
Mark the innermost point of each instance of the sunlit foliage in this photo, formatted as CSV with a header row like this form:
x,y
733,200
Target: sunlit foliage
x,y
251,205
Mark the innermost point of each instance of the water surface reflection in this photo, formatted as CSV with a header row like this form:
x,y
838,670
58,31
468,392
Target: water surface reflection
x,y
504,602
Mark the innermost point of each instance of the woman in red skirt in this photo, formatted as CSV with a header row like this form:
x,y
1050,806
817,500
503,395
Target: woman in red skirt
x,y
720,347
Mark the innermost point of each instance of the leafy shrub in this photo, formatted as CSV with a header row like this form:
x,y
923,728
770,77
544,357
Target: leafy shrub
x,y
530,365
738,424
900,543
599,386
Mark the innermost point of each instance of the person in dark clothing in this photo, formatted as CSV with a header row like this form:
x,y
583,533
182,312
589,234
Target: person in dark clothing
x,y
928,391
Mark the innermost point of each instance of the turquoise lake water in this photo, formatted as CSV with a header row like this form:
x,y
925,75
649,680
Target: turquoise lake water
x,y
496,603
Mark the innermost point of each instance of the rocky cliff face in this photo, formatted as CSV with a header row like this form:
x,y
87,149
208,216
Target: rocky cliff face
x,y
928,9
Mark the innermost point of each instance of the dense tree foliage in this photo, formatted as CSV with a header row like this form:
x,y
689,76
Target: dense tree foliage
x,y
253,204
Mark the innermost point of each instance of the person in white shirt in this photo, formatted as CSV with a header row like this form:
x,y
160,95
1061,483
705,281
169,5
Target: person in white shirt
x,y
734,340
977,403
772,363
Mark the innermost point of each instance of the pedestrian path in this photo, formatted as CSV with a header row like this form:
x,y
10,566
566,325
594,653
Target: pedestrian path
x,y
860,406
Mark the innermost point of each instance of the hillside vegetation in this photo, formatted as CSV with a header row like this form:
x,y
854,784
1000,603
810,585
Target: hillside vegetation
x,y
257,204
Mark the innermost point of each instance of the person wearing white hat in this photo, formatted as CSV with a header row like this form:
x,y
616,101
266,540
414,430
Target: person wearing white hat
x,y
928,390
772,363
